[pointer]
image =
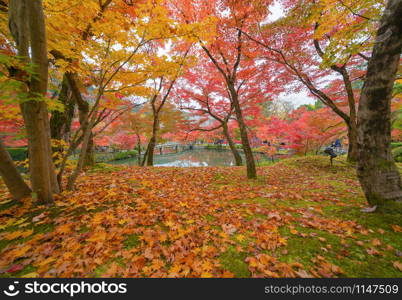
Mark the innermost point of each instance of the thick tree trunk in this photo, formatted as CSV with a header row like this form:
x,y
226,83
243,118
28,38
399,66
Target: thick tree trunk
x,y
39,85
12,178
27,25
39,156
250,163
377,171
236,154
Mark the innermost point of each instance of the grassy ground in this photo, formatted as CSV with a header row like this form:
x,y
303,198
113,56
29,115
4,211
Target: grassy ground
x,y
300,218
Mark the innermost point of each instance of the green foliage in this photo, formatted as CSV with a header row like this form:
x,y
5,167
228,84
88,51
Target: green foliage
x,y
219,147
18,154
103,168
311,107
125,155
397,119
397,153
397,88
396,145
13,89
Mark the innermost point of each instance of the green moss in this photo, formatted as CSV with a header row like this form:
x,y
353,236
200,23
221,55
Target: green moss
x,y
101,269
311,245
3,244
43,228
9,204
354,259
233,261
131,241
259,200
84,229
265,163
210,218
104,168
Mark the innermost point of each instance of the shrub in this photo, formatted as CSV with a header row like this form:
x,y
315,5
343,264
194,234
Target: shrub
x,y
397,153
18,154
124,155
396,145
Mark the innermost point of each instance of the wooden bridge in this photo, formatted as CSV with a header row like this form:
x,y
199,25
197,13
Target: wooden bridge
x,y
169,148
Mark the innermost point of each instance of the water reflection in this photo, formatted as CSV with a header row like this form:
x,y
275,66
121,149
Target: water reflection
x,y
193,158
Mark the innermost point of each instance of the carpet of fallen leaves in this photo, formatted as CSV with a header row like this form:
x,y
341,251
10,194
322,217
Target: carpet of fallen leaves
x,y
301,218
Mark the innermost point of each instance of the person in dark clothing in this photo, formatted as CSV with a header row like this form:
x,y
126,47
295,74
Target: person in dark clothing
x,y
338,143
330,151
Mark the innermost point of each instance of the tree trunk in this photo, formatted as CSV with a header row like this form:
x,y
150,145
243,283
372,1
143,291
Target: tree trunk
x,y
39,156
251,170
84,146
352,122
352,137
139,149
83,116
27,25
145,156
152,141
236,154
151,149
60,121
12,178
89,160
52,169
376,170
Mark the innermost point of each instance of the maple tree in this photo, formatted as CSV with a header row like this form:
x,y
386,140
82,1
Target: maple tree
x,y
230,53
295,41
304,131
162,89
212,106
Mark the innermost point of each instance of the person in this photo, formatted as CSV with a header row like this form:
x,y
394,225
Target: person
x,y
330,151
338,143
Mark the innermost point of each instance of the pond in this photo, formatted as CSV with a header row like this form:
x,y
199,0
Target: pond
x,y
194,158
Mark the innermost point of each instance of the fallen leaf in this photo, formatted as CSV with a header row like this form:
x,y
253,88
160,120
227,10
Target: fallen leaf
x,y
397,265
376,242
229,228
